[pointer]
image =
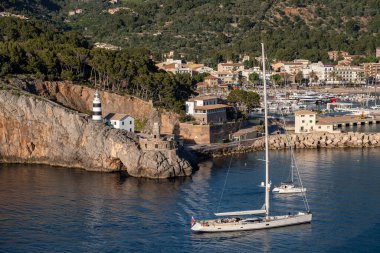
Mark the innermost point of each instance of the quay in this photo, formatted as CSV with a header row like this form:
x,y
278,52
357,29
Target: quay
x,y
349,120
314,140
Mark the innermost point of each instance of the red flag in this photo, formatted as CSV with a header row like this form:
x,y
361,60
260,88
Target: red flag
x,y
192,221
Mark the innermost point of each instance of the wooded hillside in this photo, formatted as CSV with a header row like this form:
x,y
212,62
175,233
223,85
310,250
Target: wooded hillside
x,y
210,30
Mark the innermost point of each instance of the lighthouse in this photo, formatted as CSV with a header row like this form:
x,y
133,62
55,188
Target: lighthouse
x,y
97,108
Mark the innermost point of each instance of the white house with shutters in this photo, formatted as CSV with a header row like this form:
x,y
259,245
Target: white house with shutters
x,y
306,122
120,121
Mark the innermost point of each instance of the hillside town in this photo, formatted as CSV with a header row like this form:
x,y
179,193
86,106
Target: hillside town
x,y
227,75
212,117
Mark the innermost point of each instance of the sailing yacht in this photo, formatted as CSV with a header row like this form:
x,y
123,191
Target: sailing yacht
x,y
290,186
243,220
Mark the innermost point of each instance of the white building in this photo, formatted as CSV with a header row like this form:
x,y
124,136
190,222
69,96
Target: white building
x,y
205,109
306,122
323,72
245,73
199,101
230,67
120,121
204,69
349,74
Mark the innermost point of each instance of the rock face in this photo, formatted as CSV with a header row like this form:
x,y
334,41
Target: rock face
x,y
80,98
313,140
36,130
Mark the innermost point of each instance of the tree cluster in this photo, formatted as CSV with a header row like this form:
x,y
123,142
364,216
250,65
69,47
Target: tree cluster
x,y
244,100
41,50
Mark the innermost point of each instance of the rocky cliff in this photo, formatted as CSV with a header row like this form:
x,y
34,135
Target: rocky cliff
x,y
36,130
79,98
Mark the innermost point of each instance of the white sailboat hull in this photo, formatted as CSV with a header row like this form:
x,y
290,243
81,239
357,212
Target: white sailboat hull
x,y
288,189
227,225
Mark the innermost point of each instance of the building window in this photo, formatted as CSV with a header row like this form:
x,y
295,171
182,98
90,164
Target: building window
x,y
122,123
311,121
130,129
302,115
156,145
130,122
303,121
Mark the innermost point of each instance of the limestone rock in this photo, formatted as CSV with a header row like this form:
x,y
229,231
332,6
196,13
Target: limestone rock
x,y
36,130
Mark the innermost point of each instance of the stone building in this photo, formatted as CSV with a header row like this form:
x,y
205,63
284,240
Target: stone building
x,y
205,109
211,113
157,142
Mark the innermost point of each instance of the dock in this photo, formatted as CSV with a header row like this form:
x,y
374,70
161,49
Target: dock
x,y
349,120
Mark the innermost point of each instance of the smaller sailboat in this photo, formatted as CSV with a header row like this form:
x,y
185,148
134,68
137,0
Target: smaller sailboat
x,y
290,186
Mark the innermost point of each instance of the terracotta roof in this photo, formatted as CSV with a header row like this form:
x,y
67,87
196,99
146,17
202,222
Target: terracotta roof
x,y
169,66
210,77
209,107
338,119
293,63
304,112
116,116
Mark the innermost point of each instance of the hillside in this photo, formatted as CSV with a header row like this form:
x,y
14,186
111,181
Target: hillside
x,y
210,31
42,50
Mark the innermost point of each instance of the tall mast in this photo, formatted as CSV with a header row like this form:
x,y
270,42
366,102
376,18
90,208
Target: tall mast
x,y
267,186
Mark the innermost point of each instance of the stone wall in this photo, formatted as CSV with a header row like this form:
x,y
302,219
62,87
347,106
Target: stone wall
x,y
206,134
198,134
221,132
313,140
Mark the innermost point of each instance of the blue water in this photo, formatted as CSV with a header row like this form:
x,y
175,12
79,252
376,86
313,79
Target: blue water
x,y
48,209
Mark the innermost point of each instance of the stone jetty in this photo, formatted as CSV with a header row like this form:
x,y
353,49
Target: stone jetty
x,y
297,141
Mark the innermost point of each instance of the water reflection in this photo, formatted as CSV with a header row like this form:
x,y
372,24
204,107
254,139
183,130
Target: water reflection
x,y
47,209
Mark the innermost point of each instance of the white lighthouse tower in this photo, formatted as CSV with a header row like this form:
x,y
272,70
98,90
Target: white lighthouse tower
x,y
97,108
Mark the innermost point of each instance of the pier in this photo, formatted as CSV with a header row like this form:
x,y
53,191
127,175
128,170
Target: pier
x,y
349,120
314,140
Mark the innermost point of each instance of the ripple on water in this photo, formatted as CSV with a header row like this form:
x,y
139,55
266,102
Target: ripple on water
x,y
47,209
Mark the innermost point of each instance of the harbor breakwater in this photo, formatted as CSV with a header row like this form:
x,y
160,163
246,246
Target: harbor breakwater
x,y
37,130
297,141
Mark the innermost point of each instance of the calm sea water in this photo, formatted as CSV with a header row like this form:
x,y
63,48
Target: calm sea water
x,y
47,209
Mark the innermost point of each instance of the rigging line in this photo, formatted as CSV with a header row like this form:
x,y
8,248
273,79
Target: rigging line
x,y
286,135
224,186
293,159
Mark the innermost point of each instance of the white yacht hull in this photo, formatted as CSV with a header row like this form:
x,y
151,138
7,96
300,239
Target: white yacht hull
x,y
212,226
279,190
